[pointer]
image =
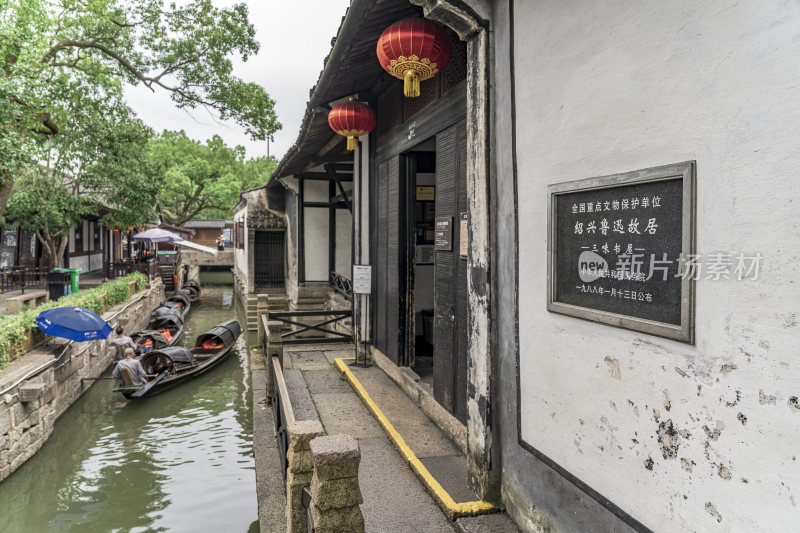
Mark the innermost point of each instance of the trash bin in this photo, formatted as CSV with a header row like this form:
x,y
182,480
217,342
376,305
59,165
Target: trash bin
x,y
58,283
75,274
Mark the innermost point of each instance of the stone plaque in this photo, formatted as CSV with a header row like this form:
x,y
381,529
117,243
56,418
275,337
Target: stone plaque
x,y
616,246
443,233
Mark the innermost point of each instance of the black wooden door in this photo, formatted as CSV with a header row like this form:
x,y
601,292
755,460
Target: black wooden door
x,y
268,249
450,283
388,283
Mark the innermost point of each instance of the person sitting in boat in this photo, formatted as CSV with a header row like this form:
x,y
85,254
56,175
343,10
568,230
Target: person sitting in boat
x,y
122,341
133,366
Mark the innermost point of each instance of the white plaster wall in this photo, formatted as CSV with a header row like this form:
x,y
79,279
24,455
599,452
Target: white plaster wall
x,y
316,191
611,86
240,254
315,241
344,240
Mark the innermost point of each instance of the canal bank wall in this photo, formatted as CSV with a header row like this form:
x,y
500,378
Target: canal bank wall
x,y
39,387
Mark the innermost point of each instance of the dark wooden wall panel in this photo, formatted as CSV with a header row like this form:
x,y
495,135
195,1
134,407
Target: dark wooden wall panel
x,y
450,292
380,258
393,244
444,272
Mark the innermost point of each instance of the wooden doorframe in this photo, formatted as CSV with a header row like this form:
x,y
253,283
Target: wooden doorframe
x,y
408,256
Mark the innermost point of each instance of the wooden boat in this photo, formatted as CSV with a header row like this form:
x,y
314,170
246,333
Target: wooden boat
x,y
194,290
177,305
181,299
174,365
163,330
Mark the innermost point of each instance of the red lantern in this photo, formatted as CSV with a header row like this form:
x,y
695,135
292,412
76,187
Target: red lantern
x,y
352,119
413,50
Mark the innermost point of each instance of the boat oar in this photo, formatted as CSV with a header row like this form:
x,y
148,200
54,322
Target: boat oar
x,y
150,384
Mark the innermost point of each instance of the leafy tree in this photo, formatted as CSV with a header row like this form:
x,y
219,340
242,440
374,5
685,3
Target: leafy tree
x,y
184,49
255,173
96,166
202,179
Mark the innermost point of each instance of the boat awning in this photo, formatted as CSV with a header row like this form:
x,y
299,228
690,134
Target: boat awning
x,y
198,247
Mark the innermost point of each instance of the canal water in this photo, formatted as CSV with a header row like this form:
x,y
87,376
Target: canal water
x,y
179,461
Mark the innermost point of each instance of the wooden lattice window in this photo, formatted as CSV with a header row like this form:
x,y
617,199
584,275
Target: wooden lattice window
x,y
456,70
390,108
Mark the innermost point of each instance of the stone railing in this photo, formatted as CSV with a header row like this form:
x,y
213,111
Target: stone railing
x,y
320,472
334,496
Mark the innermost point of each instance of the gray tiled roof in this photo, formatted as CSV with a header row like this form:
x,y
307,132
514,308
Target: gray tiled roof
x,y
210,223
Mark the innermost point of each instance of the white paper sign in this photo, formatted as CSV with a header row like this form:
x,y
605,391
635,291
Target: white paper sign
x,y
362,279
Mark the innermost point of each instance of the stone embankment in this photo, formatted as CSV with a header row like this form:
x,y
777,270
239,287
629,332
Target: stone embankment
x,y
36,389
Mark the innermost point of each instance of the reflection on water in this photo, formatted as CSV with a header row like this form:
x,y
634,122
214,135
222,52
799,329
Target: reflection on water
x,y
180,461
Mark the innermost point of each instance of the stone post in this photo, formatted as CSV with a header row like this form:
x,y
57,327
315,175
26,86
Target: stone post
x,y
262,308
299,471
273,347
335,493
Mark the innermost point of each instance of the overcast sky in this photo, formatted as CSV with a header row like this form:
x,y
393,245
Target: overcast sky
x,y
295,37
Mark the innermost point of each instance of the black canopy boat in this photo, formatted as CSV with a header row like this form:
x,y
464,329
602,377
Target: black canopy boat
x,y
162,331
177,305
193,288
181,299
174,365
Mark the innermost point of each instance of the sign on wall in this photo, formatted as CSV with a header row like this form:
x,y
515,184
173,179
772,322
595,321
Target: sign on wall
x,y
443,233
618,249
463,235
362,279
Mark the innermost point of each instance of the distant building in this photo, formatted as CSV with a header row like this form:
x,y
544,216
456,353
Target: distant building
x,y
261,247
206,231
90,245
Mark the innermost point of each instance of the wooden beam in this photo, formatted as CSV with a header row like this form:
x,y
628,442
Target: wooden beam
x,y
337,158
332,173
322,176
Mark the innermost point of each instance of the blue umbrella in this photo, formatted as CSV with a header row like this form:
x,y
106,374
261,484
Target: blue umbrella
x,y
74,323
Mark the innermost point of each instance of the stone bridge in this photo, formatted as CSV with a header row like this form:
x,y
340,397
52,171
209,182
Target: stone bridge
x,y
196,258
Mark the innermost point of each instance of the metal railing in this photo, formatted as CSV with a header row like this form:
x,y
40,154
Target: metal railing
x,y
326,335
18,278
342,284
282,413
118,269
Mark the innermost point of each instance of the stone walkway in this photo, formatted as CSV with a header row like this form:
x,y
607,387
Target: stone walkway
x,y
394,498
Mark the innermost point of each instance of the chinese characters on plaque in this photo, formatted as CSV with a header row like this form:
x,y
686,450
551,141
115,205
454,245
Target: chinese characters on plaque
x,y
443,233
618,248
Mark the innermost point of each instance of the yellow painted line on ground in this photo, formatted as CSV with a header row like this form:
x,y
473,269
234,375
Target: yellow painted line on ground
x,y
446,502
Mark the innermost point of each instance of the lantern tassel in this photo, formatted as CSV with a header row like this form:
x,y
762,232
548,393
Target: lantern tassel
x,y
352,143
411,84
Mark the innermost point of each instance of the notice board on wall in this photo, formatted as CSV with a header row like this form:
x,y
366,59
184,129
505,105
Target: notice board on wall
x,y
617,248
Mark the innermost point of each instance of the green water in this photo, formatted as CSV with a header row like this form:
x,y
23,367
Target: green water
x,y
179,461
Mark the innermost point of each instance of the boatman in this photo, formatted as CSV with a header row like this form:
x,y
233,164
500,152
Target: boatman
x,y
133,366
121,342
